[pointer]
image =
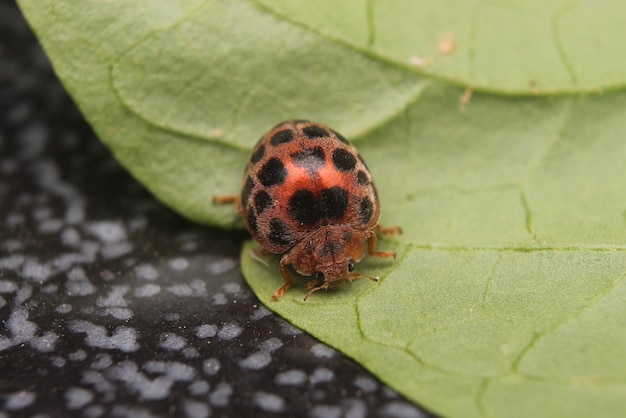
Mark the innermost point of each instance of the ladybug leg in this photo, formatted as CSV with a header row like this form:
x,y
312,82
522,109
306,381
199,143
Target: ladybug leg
x,y
259,254
284,271
358,276
315,289
390,230
371,248
228,200
225,200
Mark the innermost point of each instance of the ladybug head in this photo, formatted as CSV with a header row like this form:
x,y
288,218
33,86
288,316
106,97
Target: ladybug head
x,y
330,255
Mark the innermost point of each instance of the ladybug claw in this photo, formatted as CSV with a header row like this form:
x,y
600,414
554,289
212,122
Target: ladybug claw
x,y
281,291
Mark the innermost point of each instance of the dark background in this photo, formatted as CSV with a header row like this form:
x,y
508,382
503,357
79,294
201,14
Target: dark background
x,y
112,305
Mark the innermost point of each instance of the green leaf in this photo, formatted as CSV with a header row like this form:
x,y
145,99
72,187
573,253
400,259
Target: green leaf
x,y
507,46
181,105
507,298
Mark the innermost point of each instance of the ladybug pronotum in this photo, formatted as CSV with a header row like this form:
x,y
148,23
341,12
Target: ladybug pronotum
x,y
308,195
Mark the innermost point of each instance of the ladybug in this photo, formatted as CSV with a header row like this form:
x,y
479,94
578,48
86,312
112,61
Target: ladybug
x,y
308,195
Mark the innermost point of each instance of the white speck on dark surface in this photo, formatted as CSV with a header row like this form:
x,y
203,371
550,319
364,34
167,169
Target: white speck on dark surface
x,y
287,329
78,284
269,402
271,344
229,331
181,290
206,331
18,400
57,361
115,297
70,237
77,398
195,409
321,375
7,286
147,290
211,366
256,361
199,387
190,352
78,355
260,313
105,231
356,408
230,288
173,369
146,271
122,338
116,250
12,262
101,361
172,316
171,341
322,351
366,384
221,395
178,264
111,305
221,266
35,271
291,378
64,308
93,411
219,299
199,287
397,409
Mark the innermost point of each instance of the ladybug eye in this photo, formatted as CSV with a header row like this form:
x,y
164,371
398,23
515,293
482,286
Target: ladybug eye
x,y
351,265
319,275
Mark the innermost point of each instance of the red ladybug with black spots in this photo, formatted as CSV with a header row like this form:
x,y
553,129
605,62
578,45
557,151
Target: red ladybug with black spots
x,y
307,194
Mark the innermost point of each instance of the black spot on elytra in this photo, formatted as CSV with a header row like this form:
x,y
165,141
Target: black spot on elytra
x,y
311,159
279,233
347,236
304,207
343,160
282,137
261,201
309,209
366,210
334,202
341,138
258,154
314,132
272,173
252,224
246,191
361,178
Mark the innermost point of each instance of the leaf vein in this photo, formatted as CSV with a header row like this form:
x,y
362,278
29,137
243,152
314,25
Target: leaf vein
x,y
554,26
539,336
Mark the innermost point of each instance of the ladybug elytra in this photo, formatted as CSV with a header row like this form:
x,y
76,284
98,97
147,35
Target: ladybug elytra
x,y
308,195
